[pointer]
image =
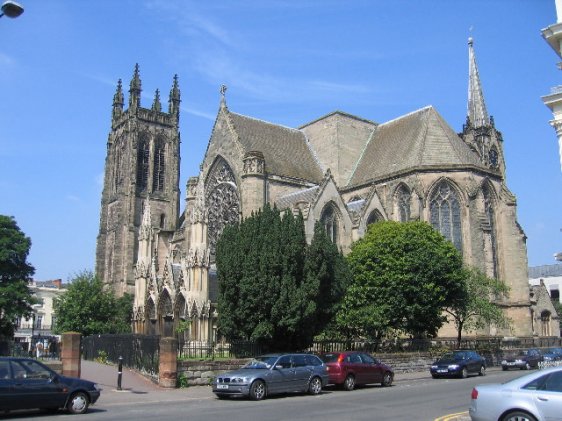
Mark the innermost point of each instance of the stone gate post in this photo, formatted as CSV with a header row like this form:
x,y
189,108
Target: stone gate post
x,y
168,362
70,354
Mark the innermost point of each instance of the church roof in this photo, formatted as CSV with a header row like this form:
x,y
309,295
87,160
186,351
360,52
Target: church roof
x,y
285,150
289,200
421,139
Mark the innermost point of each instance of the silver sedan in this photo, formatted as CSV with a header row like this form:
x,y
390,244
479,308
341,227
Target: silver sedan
x,y
533,397
273,373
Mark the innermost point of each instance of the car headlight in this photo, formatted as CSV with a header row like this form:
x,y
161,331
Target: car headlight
x,y
519,361
504,361
239,380
453,367
434,367
97,387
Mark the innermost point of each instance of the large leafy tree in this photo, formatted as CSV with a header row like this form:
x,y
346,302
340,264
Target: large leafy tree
x,y
404,276
15,273
87,307
273,288
478,308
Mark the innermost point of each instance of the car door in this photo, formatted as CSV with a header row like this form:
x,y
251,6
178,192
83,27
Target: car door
x,y
6,387
302,371
283,378
549,398
355,366
34,385
372,371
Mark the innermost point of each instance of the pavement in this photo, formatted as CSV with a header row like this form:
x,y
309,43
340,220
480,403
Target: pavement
x,y
136,388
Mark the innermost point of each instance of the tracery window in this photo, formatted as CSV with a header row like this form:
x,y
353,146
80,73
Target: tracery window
x,y
445,213
222,202
403,203
143,159
166,305
330,221
150,309
490,234
374,217
159,172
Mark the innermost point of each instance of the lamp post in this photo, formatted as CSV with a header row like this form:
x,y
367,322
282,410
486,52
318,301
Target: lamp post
x,y
11,9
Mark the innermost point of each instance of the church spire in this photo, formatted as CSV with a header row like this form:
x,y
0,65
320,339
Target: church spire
x,y
118,100
174,99
135,89
477,115
156,105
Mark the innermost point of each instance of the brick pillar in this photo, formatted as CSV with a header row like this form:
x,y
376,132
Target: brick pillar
x,y
168,362
70,354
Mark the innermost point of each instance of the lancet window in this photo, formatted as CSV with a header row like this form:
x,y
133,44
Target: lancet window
x,y
330,221
143,159
403,203
159,172
445,213
375,216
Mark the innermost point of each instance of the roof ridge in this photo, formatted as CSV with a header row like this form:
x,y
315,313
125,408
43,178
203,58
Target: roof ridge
x,y
341,113
266,122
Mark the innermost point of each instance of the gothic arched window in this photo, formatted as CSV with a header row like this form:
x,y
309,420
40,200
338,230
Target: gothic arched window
x,y
374,217
143,159
403,203
165,305
158,175
445,213
490,240
150,310
330,222
222,202
545,323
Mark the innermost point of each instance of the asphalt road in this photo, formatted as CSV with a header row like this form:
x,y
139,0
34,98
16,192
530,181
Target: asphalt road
x,y
410,398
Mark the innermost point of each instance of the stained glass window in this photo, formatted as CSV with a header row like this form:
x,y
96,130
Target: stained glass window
x,y
329,219
403,203
445,214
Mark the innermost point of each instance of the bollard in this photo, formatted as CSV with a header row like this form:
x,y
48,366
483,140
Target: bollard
x,y
119,372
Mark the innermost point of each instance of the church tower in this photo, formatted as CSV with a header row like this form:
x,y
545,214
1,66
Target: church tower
x,y
142,167
479,132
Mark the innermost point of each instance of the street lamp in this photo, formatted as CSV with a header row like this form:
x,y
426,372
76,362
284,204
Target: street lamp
x,y
11,9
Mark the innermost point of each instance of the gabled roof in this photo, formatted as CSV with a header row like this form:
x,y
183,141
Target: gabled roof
x,y
421,139
285,150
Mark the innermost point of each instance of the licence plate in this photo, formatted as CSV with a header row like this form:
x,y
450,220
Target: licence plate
x,y
442,371
222,386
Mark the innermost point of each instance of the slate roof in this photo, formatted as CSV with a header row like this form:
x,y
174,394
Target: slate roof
x,y
545,271
421,139
287,201
285,150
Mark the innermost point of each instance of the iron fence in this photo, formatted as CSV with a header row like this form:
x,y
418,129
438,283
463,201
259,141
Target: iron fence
x,y
140,352
214,350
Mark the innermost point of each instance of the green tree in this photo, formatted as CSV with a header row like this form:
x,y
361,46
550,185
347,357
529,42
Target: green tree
x,y
15,273
88,308
478,308
271,289
404,276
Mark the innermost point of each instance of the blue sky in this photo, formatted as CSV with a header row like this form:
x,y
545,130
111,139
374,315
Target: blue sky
x,y
284,61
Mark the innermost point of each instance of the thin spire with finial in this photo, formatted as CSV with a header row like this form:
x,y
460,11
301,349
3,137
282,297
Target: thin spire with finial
x,y
223,93
477,112
156,105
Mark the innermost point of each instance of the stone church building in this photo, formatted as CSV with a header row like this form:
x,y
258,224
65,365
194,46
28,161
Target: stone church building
x,y
343,170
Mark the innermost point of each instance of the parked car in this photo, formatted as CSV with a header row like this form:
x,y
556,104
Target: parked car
x,y
459,363
552,354
273,373
534,397
524,359
26,383
349,369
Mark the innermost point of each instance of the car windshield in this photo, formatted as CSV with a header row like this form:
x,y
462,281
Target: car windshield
x,y
453,356
554,350
261,362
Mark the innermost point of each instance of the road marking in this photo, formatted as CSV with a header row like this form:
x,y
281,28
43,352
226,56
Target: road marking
x,y
451,417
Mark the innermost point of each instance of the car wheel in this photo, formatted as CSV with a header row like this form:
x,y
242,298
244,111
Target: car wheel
x,y
78,403
482,371
518,416
387,379
464,373
315,386
257,390
349,382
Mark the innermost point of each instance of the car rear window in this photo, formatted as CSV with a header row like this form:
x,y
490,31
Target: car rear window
x,y
330,358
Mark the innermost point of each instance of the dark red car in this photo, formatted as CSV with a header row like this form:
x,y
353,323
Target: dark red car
x,y
351,368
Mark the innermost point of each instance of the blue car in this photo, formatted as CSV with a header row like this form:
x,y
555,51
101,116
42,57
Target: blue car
x,y
26,383
459,363
273,373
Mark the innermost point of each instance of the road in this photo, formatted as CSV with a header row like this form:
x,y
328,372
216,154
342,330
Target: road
x,y
421,398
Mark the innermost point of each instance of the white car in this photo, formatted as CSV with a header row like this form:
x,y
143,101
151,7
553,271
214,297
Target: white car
x,y
533,397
